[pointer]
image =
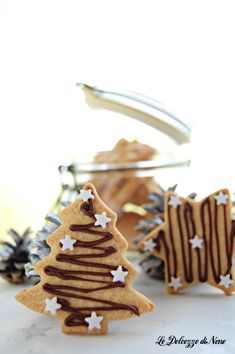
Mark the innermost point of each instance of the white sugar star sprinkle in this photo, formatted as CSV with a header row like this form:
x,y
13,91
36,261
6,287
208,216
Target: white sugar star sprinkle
x,y
102,220
175,283
174,201
67,243
196,242
119,274
225,281
85,195
94,320
221,198
52,305
149,245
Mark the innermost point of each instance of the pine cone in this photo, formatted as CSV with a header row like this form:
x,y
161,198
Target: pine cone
x,y
14,255
39,248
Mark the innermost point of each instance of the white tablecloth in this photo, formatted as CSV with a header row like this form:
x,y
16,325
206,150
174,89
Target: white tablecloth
x,y
197,312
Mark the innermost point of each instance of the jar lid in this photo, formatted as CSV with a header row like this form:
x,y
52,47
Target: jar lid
x,y
139,107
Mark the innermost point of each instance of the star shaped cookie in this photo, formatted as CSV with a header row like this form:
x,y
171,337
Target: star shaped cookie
x,y
196,242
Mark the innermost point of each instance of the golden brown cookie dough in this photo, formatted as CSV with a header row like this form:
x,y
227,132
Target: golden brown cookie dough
x,y
196,242
119,188
126,151
86,280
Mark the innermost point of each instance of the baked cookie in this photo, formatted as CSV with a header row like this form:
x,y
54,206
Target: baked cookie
x,y
126,151
122,187
86,280
196,242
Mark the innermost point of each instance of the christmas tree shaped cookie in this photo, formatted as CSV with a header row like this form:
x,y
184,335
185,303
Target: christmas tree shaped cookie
x,y
86,280
196,242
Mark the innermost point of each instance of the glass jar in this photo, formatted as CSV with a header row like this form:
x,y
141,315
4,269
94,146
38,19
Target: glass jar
x,y
127,174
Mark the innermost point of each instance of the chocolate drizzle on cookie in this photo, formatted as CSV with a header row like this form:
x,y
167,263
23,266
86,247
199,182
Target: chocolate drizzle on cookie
x,y
101,273
217,235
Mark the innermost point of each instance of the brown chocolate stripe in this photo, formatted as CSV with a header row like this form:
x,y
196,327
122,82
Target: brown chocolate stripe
x,y
54,287
188,276
172,243
77,318
210,238
161,237
72,274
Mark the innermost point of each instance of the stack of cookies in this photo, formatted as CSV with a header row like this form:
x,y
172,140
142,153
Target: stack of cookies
x,y
121,189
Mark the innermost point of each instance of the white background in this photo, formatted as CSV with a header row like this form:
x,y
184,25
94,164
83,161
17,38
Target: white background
x,y
179,52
